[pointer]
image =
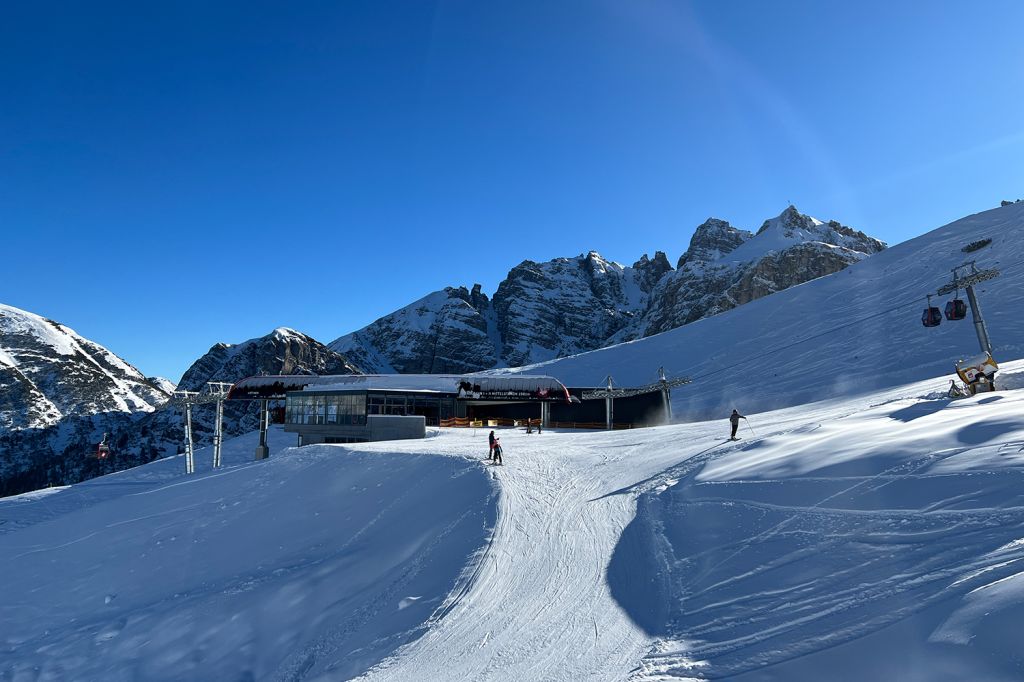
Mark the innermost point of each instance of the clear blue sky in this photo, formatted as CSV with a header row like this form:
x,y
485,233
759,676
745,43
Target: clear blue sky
x,y
177,174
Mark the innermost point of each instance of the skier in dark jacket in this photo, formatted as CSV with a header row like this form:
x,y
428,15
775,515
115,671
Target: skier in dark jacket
x,y
490,448
734,419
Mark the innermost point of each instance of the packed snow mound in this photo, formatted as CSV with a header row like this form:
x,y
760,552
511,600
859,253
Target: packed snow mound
x,y
48,372
857,330
314,564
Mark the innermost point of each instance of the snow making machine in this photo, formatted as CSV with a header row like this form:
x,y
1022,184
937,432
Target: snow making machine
x,y
978,373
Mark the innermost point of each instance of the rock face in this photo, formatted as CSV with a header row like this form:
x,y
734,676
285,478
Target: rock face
x,y
283,351
448,331
725,267
48,372
61,393
567,305
543,311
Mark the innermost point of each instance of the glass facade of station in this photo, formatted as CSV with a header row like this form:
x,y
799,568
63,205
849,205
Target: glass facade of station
x,y
338,408
350,408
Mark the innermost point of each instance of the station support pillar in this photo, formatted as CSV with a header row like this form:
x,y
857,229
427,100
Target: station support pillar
x,y
262,450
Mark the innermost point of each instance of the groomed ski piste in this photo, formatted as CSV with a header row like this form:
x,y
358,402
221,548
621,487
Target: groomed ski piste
x,y
873,538
875,532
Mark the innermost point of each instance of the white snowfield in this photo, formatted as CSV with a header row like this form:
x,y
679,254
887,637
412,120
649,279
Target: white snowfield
x,y
866,529
880,537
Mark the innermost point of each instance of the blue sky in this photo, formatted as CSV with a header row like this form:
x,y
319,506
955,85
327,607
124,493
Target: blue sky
x,y
177,174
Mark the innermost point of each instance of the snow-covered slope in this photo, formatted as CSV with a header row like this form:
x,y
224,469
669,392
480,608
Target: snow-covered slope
x,y
315,563
879,537
546,310
855,330
48,372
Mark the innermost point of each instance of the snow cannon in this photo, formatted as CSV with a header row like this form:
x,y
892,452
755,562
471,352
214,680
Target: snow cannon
x,y
978,373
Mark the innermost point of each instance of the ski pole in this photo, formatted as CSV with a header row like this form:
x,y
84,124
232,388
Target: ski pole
x,y
749,427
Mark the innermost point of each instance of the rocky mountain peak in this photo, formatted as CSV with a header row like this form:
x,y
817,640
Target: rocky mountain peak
x,y
711,240
596,263
475,297
568,305
282,351
791,226
650,270
48,372
789,220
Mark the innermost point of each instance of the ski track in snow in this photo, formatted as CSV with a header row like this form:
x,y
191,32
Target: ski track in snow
x,y
830,556
540,604
843,535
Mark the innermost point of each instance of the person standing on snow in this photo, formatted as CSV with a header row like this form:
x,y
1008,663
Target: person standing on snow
x,y
490,448
734,419
497,452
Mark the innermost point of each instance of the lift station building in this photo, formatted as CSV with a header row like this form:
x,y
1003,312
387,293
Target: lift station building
x,y
370,407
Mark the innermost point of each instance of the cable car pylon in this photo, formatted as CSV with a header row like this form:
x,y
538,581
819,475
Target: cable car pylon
x,y
216,392
966,281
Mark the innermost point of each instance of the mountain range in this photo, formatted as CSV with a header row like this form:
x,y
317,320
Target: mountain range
x,y
61,393
565,306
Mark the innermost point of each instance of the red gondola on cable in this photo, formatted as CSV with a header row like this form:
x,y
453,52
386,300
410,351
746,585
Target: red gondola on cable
x,y
932,316
956,309
103,450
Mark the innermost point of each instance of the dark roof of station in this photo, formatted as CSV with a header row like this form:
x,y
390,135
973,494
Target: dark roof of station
x,y
276,387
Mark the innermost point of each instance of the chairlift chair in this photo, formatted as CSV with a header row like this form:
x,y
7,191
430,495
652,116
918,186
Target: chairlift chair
x,y
932,316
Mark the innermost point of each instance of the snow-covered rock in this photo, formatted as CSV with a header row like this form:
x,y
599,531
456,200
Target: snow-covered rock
x,y
49,372
856,330
726,267
566,305
77,391
282,351
164,384
448,331
547,310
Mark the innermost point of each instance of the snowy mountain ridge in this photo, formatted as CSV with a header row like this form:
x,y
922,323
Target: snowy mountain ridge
x,y
49,372
862,324
564,306
95,393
